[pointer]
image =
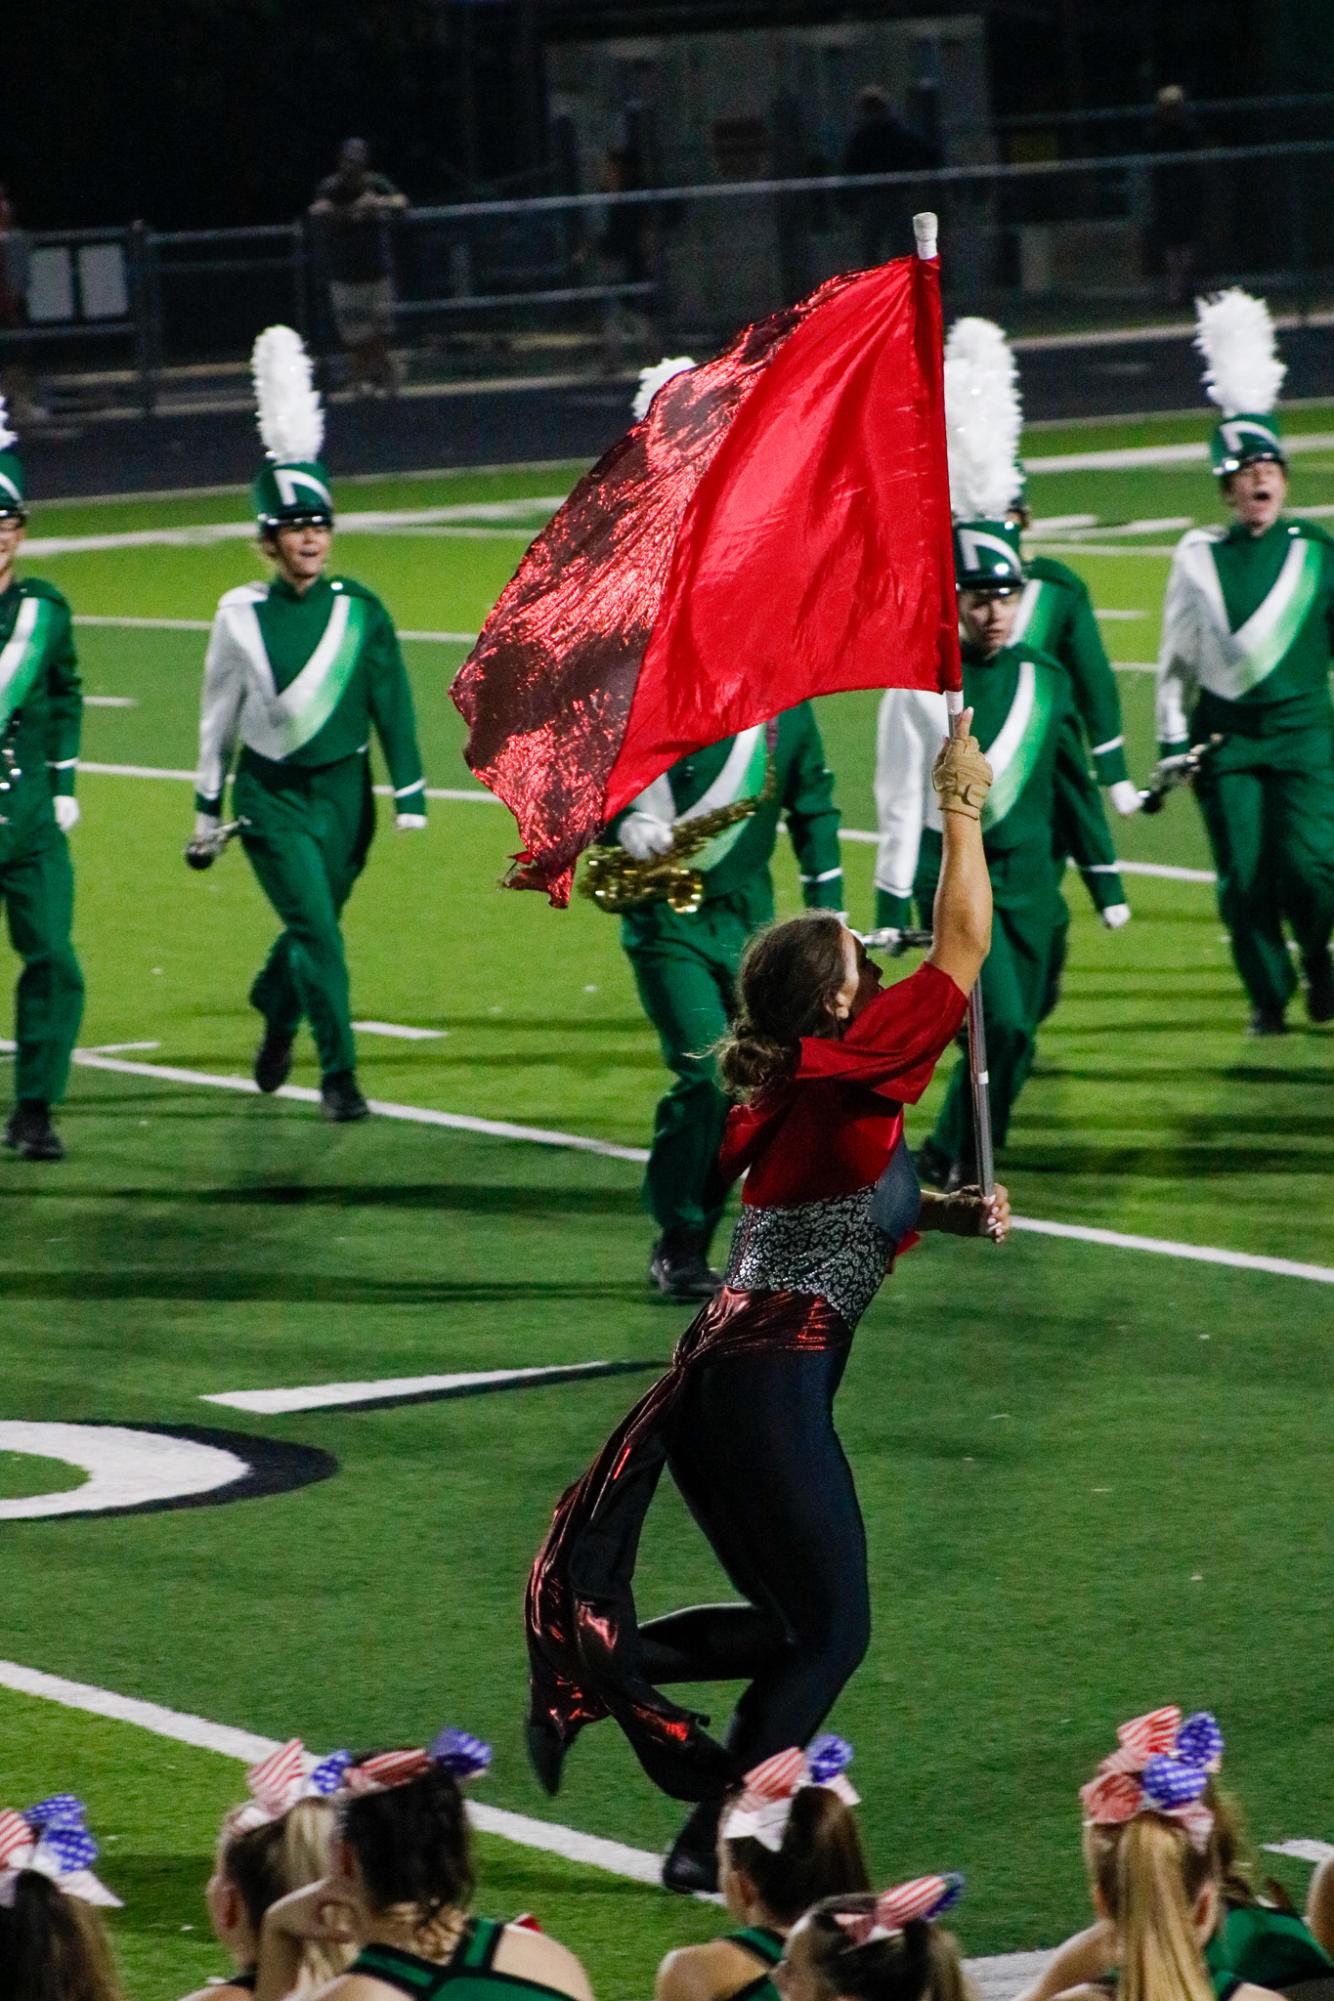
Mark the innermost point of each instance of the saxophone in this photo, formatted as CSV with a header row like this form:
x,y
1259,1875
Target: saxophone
x,y
615,881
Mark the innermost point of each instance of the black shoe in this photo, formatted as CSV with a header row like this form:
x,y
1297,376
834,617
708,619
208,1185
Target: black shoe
x,y
691,1863
31,1134
273,1059
934,1165
340,1096
1320,987
679,1268
546,1755
1267,1021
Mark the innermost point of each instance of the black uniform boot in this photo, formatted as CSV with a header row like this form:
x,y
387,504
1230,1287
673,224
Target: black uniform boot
x,y
1266,1021
691,1863
30,1132
1320,987
341,1099
273,1059
680,1268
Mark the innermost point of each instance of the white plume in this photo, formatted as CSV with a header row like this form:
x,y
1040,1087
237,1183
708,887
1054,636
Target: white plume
x,y
983,420
8,437
291,421
652,379
1235,334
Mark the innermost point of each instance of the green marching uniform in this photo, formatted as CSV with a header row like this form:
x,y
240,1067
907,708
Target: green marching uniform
x,y
685,965
1243,668
1056,617
468,1976
41,715
299,681
1025,720
1248,628
766,1946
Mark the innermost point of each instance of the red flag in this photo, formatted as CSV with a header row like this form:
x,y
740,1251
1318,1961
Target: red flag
x,y
777,526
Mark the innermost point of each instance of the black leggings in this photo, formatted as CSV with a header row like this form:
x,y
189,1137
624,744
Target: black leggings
x,y
756,1456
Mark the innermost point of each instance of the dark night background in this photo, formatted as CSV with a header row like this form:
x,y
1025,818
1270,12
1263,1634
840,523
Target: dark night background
x,y
212,112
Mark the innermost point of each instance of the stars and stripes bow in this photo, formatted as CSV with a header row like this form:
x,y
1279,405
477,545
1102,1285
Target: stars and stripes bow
x,y
1161,1765
51,1839
287,1775
762,1809
455,1751
907,1903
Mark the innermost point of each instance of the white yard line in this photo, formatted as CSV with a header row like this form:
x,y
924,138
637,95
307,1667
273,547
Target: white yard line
x,y
508,517
206,624
1103,612
423,1115
401,1030
110,702
1126,459
1301,1851
330,1396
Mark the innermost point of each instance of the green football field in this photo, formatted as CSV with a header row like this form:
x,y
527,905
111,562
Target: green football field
x,y
1095,1471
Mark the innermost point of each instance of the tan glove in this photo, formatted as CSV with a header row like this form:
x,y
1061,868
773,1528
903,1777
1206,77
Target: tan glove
x,y
962,777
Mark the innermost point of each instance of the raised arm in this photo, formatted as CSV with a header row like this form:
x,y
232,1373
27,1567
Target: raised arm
x,y
961,922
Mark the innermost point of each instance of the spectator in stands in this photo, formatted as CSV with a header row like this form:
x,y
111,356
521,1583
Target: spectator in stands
x,y
1246,1939
1178,193
15,260
787,1839
400,1888
352,208
52,1945
880,143
260,1858
877,1948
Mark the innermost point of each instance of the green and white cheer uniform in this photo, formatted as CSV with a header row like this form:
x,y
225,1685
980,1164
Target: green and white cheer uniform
x,y
685,967
298,680
1024,717
1248,628
41,714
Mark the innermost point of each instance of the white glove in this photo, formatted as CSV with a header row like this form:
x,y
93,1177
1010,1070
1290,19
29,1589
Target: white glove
x,y
644,834
1125,796
206,826
67,811
405,822
1115,915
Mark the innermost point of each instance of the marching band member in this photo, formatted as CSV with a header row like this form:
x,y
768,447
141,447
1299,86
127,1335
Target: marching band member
x,y
1043,800
1248,626
41,715
685,961
297,671
824,1063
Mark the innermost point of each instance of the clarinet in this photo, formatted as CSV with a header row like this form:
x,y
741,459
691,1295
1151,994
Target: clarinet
x,y
10,772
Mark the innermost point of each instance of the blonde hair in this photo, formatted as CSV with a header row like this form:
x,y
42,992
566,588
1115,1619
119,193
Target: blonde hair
x,y
286,1854
1150,1876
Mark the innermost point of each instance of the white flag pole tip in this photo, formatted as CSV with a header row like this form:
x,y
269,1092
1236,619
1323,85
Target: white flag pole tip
x,y
925,228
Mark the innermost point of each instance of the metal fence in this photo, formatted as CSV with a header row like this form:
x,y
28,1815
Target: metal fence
x,y
600,282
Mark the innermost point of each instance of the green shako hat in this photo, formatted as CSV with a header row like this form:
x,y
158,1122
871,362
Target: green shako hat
x,y
1243,375
13,493
294,485
983,421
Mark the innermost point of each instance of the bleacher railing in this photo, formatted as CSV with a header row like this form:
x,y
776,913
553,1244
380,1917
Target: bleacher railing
x,y
599,282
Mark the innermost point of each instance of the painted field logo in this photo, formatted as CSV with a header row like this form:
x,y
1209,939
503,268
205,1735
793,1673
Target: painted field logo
x,y
131,1470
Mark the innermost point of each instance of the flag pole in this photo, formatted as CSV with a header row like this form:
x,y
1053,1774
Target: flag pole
x,y
926,228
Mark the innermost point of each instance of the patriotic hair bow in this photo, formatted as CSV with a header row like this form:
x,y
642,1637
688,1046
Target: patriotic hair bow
x,y
51,1838
1161,1765
763,1807
284,1777
919,1901
455,1751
